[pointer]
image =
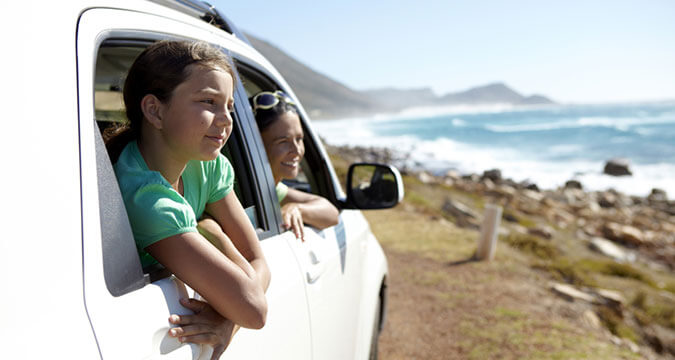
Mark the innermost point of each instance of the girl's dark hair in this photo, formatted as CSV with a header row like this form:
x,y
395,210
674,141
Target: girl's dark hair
x,y
265,118
158,70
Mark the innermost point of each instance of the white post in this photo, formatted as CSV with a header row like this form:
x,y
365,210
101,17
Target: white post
x,y
487,242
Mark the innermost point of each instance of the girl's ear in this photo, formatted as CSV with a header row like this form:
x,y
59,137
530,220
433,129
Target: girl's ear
x,y
151,107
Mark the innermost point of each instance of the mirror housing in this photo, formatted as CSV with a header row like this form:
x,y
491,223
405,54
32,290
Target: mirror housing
x,y
373,186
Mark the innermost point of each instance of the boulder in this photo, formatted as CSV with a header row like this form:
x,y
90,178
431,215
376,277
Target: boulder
x,y
590,318
657,196
608,248
571,293
606,199
494,174
617,167
541,231
457,209
624,234
573,184
426,178
610,297
453,174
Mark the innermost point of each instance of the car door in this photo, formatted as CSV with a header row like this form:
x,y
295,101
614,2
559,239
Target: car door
x,y
128,307
330,259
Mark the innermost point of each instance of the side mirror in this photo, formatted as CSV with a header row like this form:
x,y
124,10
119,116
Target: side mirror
x,y
373,186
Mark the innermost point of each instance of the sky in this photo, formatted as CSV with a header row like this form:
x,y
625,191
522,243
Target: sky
x,y
592,51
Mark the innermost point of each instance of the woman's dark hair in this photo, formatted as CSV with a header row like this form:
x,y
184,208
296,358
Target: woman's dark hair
x,y
158,70
266,117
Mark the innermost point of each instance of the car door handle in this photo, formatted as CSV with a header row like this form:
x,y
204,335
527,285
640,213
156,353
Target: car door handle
x,y
315,267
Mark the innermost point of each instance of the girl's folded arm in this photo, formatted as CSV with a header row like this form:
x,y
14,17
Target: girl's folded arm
x,y
235,293
231,216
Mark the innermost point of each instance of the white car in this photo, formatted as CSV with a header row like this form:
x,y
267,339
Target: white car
x,y
73,286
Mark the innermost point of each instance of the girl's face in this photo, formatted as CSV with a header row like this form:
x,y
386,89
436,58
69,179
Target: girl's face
x,y
196,122
284,146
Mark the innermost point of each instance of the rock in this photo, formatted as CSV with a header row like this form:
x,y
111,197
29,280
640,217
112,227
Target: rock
x,y
624,234
520,229
453,174
631,346
657,196
532,195
571,293
471,177
495,175
607,199
617,167
561,217
532,187
426,178
573,184
510,217
542,232
610,297
457,209
660,338
590,318
609,249
488,184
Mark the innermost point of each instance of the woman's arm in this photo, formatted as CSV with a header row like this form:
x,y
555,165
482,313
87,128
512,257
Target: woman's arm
x,y
313,210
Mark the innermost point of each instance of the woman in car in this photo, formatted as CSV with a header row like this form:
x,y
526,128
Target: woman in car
x,y
279,124
179,97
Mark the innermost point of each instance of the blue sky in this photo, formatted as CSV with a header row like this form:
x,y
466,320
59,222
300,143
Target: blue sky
x,y
572,51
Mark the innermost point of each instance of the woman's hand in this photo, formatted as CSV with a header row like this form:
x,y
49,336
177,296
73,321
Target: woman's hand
x,y
206,326
292,218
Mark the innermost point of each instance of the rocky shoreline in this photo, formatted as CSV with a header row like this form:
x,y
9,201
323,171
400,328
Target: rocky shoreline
x,y
629,232
625,228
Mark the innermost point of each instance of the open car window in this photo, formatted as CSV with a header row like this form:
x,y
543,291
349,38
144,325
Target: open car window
x,y
313,176
113,59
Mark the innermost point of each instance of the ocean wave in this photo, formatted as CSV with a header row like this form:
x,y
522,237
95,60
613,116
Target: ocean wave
x,y
619,123
457,122
444,154
548,164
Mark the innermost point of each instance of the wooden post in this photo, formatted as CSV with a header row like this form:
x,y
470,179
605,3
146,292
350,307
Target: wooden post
x,y
487,242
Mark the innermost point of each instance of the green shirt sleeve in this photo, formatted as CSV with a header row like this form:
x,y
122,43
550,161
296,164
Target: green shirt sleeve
x,y
221,174
282,191
157,212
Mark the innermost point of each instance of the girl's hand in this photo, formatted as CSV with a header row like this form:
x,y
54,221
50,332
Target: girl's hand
x,y
292,218
206,326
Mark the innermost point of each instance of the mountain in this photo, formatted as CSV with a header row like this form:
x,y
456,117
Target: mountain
x,y
491,94
321,96
325,98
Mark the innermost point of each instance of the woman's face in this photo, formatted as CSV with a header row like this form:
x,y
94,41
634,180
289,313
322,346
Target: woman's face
x,y
284,146
197,120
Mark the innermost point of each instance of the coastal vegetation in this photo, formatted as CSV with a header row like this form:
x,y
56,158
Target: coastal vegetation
x,y
577,274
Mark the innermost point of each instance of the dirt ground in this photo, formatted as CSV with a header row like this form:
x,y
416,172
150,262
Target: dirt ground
x,y
472,310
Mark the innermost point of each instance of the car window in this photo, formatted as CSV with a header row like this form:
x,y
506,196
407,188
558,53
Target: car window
x,y
113,59
313,176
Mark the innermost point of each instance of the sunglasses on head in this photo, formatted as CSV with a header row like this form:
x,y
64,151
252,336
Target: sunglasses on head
x,y
266,100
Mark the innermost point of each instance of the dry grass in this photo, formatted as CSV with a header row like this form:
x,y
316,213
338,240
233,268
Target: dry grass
x,y
444,305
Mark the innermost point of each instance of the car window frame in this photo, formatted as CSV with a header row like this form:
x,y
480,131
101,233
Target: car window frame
x,y
320,178
247,164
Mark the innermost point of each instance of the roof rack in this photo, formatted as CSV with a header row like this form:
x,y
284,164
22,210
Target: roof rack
x,y
204,11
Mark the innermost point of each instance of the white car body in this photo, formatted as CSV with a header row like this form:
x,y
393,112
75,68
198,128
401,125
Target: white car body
x,y
325,293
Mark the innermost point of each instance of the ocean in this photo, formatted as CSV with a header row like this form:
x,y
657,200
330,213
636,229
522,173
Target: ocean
x,y
546,145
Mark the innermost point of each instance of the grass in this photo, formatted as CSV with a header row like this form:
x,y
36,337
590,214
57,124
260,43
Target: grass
x,y
513,334
652,309
418,226
532,245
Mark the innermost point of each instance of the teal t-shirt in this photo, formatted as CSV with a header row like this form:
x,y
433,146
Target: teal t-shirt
x,y
282,191
157,211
